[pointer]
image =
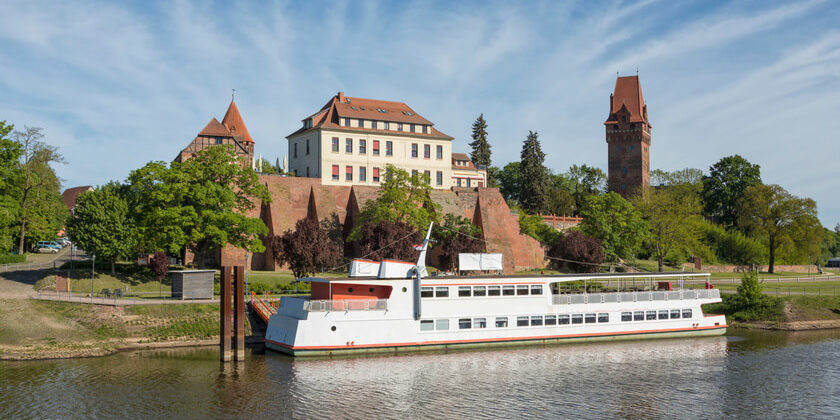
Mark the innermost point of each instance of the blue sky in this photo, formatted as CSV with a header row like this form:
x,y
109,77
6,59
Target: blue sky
x,y
116,85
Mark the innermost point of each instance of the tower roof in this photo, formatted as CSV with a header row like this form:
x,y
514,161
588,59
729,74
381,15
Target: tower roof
x,y
628,94
214,128
233,122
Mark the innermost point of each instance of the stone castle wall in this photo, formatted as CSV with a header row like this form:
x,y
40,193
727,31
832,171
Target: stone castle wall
x,y
296,198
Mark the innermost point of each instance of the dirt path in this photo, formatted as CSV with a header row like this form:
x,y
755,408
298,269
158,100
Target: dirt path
x,y
18,284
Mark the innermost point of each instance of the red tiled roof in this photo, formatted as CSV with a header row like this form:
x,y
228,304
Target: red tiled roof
x,y
214,128
628,94
233,122
70,195
341,106
462,157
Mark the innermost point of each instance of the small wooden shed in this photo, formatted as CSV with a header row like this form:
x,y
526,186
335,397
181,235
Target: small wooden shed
x,y
192,284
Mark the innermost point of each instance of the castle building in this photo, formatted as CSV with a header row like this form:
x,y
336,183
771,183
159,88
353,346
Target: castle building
x,y
628,138
349,141
465,173
231,131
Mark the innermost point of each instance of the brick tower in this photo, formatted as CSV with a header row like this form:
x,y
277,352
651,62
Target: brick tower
x,y
628,138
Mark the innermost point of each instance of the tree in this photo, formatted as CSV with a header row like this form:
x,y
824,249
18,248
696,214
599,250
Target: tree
x,y
577,251
160,265
616,223
480,148
101,225
458,234
389,240
583,181
201,204
772,212
509,179
726,183
402,198
308,249
560,202
668,211
35,182
534,184
750,294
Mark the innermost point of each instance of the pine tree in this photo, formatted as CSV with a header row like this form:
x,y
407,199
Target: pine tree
x,y
480,148
534,184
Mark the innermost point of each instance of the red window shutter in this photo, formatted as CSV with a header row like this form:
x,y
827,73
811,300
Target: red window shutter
x,y
376,144
376,172
349,169
335,169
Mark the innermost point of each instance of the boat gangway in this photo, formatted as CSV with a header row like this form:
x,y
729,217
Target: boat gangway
x,y
264,306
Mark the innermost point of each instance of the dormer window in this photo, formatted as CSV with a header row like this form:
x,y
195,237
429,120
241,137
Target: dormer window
x,y
347,122
307,123
381,110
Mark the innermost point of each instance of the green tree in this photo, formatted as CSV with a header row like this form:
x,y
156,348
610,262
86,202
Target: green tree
x,y
202,204
10,152
583,181
457,234
509,179
402,198
561,202
669,212
101,224
36,185
769,211
726,183
750,293
480,147
534,183
616,223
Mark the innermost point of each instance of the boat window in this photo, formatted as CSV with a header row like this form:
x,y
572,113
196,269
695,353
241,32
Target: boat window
x,y
441,292
577,319
536,320
603,317
639,316
522,289
501,322
563,319
464,323
479,291
522,321
675,314
427,325
626,316
590,318
651,316
427,292
536,289
686,313
479,322
442,324
663,314
508,290
551,320
464,291
494,290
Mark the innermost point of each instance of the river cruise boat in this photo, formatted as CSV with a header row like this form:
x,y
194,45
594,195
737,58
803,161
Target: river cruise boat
x,y
400,309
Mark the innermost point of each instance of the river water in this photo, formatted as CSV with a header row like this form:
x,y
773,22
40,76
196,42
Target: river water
x,y
746,374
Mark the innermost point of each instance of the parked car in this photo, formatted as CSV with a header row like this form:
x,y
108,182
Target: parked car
x,y
63,242
47,247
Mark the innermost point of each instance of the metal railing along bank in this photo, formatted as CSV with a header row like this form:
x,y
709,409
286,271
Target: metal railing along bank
x,y
578,298
346,305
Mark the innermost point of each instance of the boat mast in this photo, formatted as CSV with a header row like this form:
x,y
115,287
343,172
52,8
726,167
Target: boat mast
x,y
420,269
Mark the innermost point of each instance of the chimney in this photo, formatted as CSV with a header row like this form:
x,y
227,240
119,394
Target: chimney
x,y
340,96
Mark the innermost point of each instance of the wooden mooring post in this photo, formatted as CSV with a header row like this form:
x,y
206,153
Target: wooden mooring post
x,y
232,349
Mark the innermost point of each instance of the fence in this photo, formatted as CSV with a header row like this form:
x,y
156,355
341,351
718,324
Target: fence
x,y
801,291
615,297
346,305
774,279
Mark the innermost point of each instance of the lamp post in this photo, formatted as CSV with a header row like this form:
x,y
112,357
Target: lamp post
x,y
92,273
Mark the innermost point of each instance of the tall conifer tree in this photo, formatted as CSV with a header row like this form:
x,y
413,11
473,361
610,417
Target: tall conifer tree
x,y
534,184
480,148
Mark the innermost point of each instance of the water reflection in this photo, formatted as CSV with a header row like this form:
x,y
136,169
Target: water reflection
x,y
755,374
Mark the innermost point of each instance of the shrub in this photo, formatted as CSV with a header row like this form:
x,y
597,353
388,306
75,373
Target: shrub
x,y
732,246
585,254
159,265
535,228
458,234
12,258
389,240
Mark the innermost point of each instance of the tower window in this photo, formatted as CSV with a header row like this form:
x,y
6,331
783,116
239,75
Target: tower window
x,y
631,147
623,187
624,171
618,148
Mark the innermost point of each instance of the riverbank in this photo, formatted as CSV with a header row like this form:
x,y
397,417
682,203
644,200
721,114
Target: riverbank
x,y
786,313
33,329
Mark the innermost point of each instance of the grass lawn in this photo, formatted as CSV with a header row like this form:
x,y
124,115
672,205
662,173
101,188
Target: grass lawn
x,y
45,323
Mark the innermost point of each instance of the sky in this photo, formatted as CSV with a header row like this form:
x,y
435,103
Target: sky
x,y
118,84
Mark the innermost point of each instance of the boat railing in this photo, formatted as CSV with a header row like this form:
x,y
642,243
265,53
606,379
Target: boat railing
x,y
579,298
346,305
